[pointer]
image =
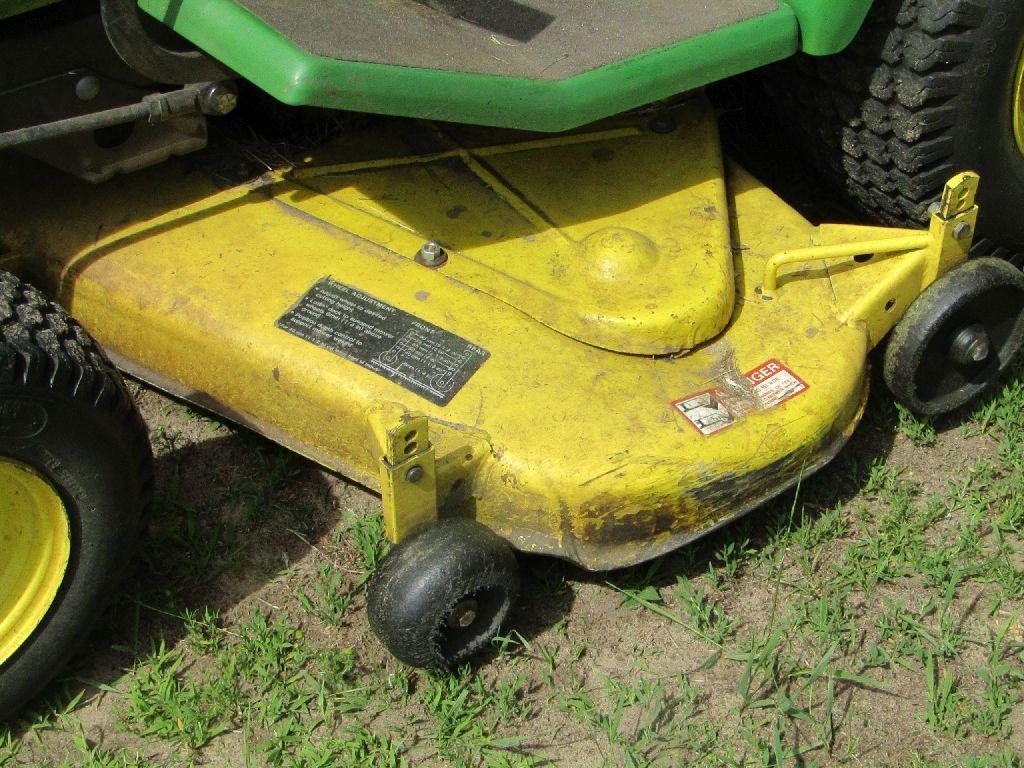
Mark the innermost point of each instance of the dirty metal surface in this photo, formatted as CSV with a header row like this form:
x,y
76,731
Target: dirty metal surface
x,y
563,447
617,235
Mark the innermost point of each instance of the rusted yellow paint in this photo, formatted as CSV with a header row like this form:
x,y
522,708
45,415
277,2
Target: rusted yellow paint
x,y
564,447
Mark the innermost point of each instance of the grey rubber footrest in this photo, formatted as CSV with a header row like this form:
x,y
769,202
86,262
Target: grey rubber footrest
x,y
542,40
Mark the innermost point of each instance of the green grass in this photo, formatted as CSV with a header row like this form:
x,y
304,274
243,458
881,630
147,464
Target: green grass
x,y
879,605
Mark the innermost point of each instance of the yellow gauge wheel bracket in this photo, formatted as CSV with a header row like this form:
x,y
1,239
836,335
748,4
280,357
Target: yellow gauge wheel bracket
x,y
35,537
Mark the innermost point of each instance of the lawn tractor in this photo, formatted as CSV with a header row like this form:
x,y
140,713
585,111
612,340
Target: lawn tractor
x,y
515,287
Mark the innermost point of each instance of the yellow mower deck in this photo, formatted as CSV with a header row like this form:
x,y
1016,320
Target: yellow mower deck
x,y
625,348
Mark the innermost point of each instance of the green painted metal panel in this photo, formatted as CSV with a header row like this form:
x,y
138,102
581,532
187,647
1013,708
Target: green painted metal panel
x,y
260,54
828,26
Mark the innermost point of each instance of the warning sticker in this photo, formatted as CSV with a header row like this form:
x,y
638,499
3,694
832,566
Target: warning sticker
x,y
423,358
765,387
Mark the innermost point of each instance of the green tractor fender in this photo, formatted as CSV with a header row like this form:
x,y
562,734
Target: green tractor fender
x,y
828,26
400,62
10,8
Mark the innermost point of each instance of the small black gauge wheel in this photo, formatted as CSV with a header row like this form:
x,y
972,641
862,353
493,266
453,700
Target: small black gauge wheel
x,y
957,338
442,594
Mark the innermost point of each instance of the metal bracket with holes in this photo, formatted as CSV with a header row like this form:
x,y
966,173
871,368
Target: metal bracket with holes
x,y
952,223
915,259
408,478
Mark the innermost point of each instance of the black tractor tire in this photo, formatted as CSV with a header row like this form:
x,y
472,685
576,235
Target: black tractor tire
x,y
65,413
958,338
430,583
923,92
153,50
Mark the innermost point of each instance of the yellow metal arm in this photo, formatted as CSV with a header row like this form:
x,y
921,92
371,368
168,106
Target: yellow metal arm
x,y
946,243
769,285
918,259
408,478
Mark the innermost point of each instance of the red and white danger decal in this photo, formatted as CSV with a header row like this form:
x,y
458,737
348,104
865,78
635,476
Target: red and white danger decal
x,y
767,386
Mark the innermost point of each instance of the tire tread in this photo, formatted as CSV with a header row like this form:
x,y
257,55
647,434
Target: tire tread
x,y
43,347
893,91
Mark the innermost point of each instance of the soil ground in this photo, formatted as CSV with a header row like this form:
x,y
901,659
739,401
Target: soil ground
x,y
870,618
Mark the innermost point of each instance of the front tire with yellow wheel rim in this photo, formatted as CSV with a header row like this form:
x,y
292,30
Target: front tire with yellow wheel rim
x,y
35,536
75,477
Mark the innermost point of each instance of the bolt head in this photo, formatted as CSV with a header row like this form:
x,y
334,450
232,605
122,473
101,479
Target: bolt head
x,y
414,473
218,99
431,254
463,614
970,346
87,88
962,230
662,124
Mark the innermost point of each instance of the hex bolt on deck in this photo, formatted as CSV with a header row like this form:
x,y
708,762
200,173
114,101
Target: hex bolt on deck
x,y
431,255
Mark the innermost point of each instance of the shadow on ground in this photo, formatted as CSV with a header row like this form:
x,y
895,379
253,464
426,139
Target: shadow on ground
x,y
231,510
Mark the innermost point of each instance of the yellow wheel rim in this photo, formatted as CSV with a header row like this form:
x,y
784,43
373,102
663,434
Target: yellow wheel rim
x,y
1018,105
35,544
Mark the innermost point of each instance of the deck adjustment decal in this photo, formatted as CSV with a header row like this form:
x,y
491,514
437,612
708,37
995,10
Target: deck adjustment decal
x,y
767,386
423,358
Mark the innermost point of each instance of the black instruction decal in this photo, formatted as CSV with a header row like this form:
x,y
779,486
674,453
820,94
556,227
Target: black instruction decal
x,y
425,359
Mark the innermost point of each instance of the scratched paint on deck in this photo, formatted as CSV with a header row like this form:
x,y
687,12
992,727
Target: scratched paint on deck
x,y
713,410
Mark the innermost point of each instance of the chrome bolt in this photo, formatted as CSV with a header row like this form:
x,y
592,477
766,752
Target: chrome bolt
x,y
414,473
962,230
88,88
218,99
463,614
431,255
934,208
970,346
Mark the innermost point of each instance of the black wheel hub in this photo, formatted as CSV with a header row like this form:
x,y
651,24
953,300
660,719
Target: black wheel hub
x,y
970,346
